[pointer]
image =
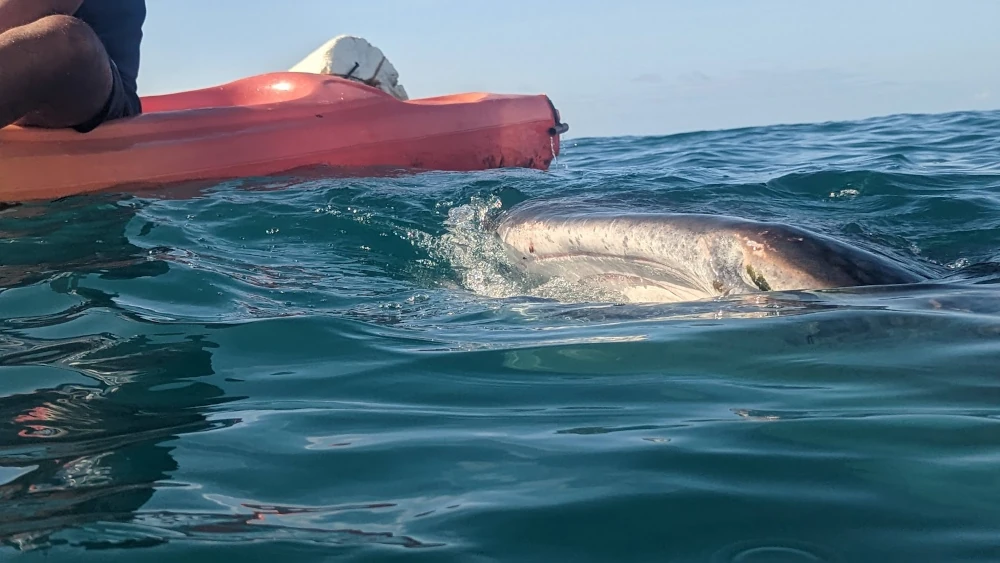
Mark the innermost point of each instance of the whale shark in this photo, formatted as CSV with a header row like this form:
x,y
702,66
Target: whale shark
x,y
673,257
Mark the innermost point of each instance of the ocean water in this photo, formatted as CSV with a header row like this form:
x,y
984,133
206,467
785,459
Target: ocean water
x,y
281,369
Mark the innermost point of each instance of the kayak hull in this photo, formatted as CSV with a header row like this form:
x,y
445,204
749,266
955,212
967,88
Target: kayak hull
x,y
274,123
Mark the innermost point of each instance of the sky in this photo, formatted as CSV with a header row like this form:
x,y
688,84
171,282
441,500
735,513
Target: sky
x,y
616,67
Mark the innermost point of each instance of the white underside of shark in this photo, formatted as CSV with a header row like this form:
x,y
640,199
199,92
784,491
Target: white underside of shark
x,y
684,257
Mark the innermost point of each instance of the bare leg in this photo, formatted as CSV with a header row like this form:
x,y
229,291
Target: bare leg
x,y
53,73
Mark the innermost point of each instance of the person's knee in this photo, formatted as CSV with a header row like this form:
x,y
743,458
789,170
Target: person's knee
x,y
72,75
69,44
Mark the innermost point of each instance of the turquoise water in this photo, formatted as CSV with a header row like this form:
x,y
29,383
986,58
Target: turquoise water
x,y
280,370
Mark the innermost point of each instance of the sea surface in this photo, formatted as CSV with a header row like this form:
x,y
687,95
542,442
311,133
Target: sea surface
x,y
348,369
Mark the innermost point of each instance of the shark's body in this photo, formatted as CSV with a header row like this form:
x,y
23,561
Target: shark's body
x,y
681,257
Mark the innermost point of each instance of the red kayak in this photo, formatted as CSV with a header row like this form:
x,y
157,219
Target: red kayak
x,y
274,123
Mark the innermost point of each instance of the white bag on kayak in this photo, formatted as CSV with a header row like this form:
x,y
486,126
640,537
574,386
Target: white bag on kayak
x,y
355,58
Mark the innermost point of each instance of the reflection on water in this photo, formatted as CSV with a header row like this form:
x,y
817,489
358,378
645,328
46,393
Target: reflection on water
x,y
89,453
87,417
81,452
44,241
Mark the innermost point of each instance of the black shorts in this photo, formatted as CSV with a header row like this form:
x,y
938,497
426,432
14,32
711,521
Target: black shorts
x,y
121,103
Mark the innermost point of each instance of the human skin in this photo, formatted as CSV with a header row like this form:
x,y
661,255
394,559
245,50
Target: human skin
x,y
54,71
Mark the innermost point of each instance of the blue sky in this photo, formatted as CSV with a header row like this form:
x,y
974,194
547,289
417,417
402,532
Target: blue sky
x,y
625,67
